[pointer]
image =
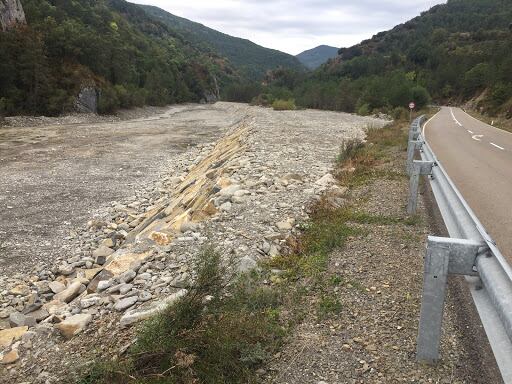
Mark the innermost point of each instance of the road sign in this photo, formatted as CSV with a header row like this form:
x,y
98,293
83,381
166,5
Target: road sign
x,y
412,105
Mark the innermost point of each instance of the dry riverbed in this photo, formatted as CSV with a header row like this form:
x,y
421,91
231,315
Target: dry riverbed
x,y
74,197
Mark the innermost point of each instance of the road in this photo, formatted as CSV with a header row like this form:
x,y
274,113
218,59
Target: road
x,y
478,158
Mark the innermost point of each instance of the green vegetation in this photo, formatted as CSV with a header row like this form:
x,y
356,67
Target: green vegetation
x,y
455,52
313,58
251,60
133,55
284,105
112,45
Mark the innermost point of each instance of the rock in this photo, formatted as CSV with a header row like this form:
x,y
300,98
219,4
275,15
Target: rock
x,y
145,296
109,243
182,281
11,357
161,238
125,303
56,286
127,276
104,284
226,207
241,192
133,316
326,180
91,273
88,302
229,191
20,290
42,287
123,260
56,307
94,285
74,325
284,225
102,251
40,314
69,293
100,260
7,336
11,14
125,288
17,319
65,269
246,264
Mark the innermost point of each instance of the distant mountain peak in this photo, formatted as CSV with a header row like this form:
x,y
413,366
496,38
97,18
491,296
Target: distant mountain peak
x,y
315,57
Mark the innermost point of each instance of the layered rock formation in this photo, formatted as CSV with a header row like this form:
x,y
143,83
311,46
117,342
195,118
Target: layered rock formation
x,y
11,14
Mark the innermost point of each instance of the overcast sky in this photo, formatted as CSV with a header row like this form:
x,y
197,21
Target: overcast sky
x,y
296,25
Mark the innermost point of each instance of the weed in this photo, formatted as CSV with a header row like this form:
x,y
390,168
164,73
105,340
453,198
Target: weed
x,y
329,306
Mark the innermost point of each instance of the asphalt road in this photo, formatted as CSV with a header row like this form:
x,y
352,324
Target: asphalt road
x,y
478,158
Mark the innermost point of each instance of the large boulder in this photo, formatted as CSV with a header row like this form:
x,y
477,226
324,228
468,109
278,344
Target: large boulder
x,y
11,14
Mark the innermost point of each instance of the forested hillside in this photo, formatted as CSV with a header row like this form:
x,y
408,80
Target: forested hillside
x,y
455,52
313,58
128,56
252,60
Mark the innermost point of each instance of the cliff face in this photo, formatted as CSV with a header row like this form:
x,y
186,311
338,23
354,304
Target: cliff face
x,y
11,14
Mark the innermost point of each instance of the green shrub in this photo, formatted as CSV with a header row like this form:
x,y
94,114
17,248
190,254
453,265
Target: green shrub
x,y
363,110
219,332
284,105
108,101
400,113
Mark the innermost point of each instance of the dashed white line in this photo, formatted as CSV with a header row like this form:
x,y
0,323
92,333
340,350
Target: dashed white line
x,y
497,146
470,131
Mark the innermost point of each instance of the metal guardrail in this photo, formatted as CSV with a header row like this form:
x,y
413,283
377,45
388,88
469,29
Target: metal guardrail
x,y
469,251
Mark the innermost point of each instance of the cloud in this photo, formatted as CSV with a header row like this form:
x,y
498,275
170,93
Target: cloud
x,y
294,26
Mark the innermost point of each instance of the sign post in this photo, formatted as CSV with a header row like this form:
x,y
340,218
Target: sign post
x,y
412,105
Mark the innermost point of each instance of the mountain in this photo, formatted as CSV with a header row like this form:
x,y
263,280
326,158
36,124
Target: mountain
x,y
252,60
103,55
454,52
313,58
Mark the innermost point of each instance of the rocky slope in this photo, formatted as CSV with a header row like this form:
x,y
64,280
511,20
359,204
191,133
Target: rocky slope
x,y
11,14
244,194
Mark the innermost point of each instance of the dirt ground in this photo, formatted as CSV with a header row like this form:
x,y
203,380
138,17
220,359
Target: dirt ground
x,y
53,177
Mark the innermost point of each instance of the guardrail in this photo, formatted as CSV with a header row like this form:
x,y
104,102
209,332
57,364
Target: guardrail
x,y
469,251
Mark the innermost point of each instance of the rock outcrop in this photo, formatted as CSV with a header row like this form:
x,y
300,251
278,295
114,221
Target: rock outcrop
x,y
87,100
11,14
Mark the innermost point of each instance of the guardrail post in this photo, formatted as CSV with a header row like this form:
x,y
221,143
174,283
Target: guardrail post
x,y
418,168
443,256
411,149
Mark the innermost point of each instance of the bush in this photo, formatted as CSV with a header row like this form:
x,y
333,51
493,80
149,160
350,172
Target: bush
x,y
108,101
400,113
363,110
220,332
420,96
284,105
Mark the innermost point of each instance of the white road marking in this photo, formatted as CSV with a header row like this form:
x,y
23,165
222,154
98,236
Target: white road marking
x,y
425,125
480,121
454,118
477,137
470,131
497,146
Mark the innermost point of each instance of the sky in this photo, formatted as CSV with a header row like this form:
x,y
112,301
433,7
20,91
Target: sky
x,y
293,26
